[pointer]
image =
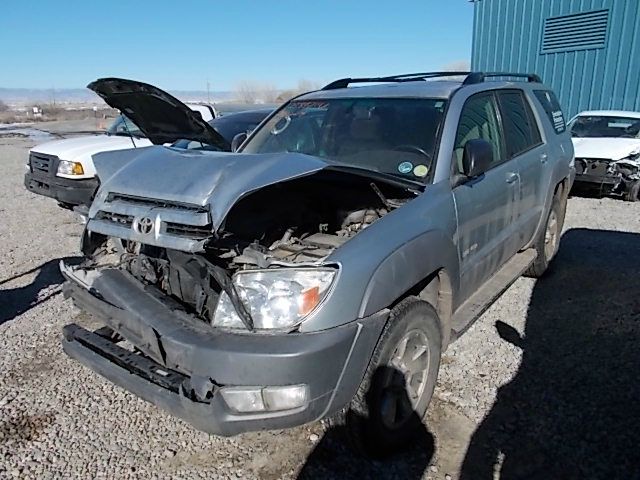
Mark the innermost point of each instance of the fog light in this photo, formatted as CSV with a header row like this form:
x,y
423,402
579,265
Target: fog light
x,y
70,168
284,398
267,399
243,400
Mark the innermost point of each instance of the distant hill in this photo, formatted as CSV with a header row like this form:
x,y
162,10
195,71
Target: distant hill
x,y
29,96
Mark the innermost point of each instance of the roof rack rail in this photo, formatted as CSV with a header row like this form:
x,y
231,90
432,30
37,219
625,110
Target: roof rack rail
x,y
470,78
479,77
406,77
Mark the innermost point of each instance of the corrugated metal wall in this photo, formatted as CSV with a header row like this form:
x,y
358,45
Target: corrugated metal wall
x,y
508,37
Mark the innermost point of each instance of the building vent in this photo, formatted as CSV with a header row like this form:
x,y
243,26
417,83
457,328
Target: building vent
x,y
580,31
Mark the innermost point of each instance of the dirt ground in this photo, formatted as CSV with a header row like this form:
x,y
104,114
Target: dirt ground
x,y
543,386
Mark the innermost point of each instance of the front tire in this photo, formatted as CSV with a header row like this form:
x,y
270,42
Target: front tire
x,y
387,411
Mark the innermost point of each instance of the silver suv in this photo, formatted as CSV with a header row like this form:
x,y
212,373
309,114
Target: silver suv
x,y
321,269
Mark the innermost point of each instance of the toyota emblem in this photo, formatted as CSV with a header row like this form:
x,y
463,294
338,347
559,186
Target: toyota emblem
x,y
145,225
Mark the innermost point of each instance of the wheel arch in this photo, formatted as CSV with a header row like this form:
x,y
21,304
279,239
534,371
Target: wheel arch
x,y
425,267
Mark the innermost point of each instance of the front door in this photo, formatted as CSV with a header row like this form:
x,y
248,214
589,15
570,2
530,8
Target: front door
x,y
486,206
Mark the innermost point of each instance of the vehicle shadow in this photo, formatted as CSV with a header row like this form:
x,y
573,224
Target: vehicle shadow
x,y
333,457
16,301
573,410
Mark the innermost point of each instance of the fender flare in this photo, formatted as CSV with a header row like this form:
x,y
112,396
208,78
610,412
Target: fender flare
x,y
407,266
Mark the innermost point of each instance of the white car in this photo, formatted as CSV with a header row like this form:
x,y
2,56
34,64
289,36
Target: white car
x,y
607,148
64,169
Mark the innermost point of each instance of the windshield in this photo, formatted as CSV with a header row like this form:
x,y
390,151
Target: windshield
x,y
395,136
605,126
123,126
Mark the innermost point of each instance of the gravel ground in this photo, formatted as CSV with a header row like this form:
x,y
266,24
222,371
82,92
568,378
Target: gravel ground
x,y
544,385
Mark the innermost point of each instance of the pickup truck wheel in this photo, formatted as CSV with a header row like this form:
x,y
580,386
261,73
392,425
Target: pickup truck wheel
x,y
548,241
386,413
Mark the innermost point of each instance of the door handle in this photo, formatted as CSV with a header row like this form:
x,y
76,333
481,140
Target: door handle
x,y
543,158
512,177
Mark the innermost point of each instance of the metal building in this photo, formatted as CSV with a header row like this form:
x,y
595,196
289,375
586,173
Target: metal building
x,y
587,50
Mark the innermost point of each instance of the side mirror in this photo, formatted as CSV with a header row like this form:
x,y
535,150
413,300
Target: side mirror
x,y
237,141
477,157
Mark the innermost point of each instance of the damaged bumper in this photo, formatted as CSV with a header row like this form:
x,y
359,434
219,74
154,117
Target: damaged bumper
x,y
607,176
601,183
186,366
594,174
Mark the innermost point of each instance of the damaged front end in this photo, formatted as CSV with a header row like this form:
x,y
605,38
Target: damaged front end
x,y
210,296
221,382
617,177
268,264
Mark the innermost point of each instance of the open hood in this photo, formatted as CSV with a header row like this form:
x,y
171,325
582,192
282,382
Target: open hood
x,y
160,116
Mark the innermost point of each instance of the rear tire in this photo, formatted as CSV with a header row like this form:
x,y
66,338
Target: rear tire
x,y
386,413
548,240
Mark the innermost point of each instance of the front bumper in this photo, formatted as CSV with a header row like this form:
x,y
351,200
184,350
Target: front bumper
x,y
198,360
65,190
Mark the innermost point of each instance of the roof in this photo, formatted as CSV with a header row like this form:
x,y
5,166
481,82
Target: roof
x,y
420,88
609,113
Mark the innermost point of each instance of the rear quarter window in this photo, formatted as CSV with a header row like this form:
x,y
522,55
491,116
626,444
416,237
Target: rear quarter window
x,y
552,108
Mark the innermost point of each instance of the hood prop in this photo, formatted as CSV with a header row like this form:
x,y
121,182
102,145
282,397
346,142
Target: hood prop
x,y
126,127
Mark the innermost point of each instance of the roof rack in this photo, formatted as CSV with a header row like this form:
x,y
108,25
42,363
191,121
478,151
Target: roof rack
x,y
479,77
470,78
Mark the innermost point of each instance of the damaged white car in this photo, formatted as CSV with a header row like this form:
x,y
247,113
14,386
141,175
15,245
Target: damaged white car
x,y
607,148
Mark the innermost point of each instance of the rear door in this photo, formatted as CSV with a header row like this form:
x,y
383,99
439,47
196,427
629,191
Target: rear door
x,y
487,205
523,143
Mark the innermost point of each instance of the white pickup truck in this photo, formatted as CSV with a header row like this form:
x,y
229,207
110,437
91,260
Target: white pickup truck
x,y
64,169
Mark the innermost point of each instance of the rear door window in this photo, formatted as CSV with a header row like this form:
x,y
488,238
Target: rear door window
x,y
520,128
552,108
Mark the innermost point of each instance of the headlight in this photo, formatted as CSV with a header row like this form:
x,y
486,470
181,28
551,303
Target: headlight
x,y
275,299
70,168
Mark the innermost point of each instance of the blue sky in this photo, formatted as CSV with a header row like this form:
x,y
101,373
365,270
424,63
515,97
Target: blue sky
x,y
180,45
